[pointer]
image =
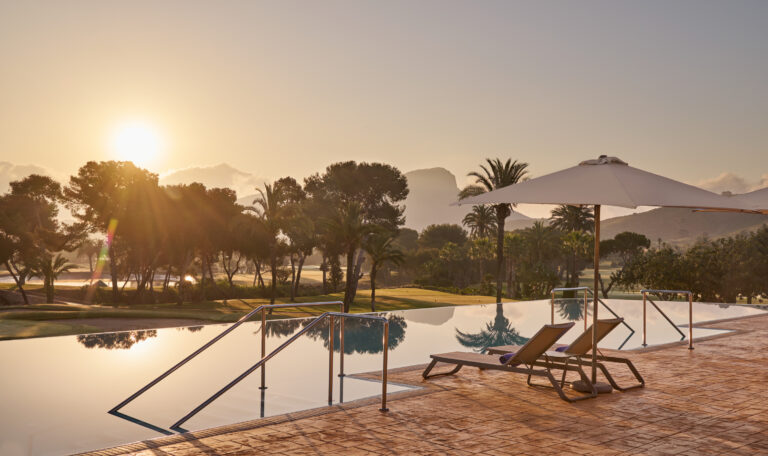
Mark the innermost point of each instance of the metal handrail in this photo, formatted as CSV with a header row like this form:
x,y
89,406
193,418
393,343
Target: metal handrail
x,y
586,303
266,358
205,346
690,313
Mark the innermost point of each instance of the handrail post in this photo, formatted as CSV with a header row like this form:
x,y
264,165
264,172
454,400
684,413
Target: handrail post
x,y
586,307
330,358
341,341
552,305
385,341
645,344
690,320
263,347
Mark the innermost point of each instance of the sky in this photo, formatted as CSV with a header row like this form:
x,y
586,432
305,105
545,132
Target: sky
x,y
286,88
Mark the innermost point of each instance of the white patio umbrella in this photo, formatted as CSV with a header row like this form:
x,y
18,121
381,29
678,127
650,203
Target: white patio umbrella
x,y
605,181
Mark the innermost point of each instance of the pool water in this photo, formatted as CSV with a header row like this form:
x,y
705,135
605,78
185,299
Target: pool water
x,y
55,392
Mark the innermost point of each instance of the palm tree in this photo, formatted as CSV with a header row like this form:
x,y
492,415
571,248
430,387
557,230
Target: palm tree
x,y
380,249
481,221
577,243
497,175
268,205
573,218
481,250
349,230
497,332
49,268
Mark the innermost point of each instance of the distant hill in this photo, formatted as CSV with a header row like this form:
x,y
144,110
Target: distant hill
x,y
432,191
221,175
682,226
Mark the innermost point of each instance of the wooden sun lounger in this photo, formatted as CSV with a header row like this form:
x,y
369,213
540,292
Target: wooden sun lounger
x,y
578,352
530,360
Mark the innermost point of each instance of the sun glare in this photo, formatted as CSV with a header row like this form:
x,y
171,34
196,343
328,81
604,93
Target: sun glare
x,y
138,142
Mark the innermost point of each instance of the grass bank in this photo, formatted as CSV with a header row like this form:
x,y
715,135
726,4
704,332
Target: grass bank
x,y
45,320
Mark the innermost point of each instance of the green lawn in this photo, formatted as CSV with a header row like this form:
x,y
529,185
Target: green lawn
x,y
41,320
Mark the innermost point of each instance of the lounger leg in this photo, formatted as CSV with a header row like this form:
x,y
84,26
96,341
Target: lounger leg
x,y
637,375
565,397
426,372
565,371
602,366
628,363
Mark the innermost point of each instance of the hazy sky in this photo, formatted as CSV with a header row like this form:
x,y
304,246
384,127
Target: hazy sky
x,y
277,88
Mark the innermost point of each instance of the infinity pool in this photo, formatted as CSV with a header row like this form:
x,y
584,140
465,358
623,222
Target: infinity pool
x,y
55,392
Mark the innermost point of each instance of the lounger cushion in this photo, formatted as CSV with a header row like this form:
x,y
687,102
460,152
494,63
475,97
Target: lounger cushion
x,y
506,357
561,349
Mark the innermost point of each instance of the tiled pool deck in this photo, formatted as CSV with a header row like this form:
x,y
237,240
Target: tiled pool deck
x,y
711,400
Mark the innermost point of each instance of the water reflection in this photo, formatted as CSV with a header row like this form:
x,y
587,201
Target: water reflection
x,y
570,309
191,329
362,335
496,332
283,328
111,341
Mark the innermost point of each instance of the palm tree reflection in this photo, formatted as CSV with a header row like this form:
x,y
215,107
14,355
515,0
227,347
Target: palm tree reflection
x,y
570,309
111,341
496,332
362,335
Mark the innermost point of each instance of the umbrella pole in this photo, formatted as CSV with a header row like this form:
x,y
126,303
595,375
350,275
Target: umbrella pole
x,y
594,295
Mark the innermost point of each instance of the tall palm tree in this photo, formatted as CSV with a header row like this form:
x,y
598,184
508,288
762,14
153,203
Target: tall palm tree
x,y
497,332
380,249
577,243
268,205
497,175
573,218
481,221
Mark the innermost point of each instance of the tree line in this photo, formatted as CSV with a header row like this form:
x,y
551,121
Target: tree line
x,y
351,215
150,233
719,270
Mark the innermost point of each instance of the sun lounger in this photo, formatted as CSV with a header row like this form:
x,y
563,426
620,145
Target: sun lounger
x,y
530,359
578,352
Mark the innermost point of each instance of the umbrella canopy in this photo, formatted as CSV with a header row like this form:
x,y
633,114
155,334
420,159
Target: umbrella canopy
x,y
605,181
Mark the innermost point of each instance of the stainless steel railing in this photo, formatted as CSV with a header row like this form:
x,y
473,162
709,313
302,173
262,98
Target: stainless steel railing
x,y
690,313
312,324
586,291
239,322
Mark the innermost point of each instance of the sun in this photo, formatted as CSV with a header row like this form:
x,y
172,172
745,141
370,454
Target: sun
x,y
138,142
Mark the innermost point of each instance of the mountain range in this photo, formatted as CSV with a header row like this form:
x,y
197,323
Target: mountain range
x,y
682,226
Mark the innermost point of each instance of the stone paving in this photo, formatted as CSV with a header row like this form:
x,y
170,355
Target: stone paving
x,y
712,400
